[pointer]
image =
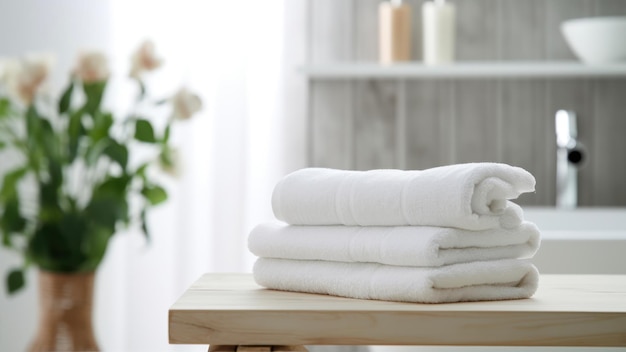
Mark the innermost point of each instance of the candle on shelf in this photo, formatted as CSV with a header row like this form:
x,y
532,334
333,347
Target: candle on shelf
x,y
394,31
438,19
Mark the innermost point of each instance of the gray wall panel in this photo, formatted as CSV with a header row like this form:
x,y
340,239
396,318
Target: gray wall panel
x,y
608,152
374,125
521,33
331,124
522,142
477,29
609,7
476,121
430,134
331,103
558,11
424,123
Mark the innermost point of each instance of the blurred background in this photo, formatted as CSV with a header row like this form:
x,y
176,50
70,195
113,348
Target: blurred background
x,y
263,118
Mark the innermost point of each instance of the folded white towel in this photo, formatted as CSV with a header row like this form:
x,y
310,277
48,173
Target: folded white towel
x,y
476,281
470,196
393,245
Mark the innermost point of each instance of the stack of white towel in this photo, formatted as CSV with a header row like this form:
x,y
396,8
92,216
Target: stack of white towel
x,y
445,234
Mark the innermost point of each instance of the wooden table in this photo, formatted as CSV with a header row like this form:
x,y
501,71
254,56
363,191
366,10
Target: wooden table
x,y
230,310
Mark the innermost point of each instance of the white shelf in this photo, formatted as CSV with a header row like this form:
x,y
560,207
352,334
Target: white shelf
x,y
478,69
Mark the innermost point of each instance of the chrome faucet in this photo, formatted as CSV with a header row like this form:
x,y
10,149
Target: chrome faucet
x,y
570,154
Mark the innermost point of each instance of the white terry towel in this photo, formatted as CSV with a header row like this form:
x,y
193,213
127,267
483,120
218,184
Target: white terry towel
x,y
470,196
393,245
476,281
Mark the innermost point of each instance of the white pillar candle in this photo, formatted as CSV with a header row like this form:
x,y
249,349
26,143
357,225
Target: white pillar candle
x,y
438,18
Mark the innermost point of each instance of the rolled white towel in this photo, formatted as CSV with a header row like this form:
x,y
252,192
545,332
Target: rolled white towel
x,y
393,245
469,196
476,281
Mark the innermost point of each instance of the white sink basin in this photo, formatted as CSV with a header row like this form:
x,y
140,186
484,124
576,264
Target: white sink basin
x,y
579,223
580,241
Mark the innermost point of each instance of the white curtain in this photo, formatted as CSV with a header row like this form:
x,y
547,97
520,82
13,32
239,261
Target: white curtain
x,y
235,55
241,58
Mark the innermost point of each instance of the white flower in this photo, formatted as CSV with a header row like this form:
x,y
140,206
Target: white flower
x,y
144,59
185,104
26,76
92,66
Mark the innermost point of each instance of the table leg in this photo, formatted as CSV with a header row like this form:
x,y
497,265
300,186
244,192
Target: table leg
x,y
223,348
242,348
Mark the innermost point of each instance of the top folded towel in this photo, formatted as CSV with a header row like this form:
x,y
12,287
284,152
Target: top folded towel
x,y
472,196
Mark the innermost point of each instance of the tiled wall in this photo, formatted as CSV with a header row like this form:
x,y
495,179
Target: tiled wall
x,y
353,123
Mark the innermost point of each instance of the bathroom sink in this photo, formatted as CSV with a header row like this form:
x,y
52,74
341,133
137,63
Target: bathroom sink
x,y
580,240
579,223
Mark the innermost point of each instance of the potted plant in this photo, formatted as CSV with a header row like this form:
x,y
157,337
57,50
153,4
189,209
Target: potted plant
x,y
73,186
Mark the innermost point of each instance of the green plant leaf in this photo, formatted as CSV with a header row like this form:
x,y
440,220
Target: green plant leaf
x,y
39,247
31,118
65,101
5,107
46,152
15,281
141,171
6,239
144,131
94,151
154,194
48,195
48,139
50,210
117,153
35,148
115,186
10,183
49,249
73,228
75,131
102,125
12,221
108,203
166,134
56,173
32,127
94,92
109,147
95,246
106,211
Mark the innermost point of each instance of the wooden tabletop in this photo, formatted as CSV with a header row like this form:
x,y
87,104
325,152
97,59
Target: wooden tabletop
x,y
567,310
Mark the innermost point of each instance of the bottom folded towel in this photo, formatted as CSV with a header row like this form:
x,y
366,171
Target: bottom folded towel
x,y
475,281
